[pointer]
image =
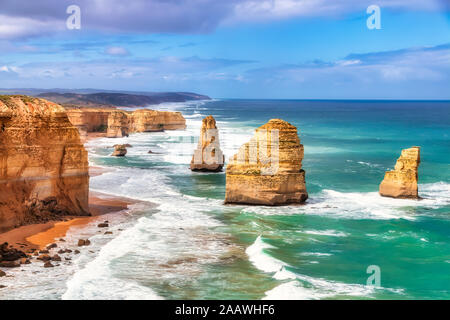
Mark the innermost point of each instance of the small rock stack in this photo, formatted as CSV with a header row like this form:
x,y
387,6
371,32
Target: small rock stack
x,y
402,181
120,150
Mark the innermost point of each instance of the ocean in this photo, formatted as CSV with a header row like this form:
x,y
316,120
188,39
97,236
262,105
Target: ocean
x,y
182,242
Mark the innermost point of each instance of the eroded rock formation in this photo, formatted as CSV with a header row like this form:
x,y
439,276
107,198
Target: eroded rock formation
x,y
146,120
43,165
402,181
268,169
208,156
119,123
120,150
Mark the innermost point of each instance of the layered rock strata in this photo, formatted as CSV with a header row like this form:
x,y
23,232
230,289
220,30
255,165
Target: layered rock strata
x,y
119,123
402,181
208,156
43,164
267,170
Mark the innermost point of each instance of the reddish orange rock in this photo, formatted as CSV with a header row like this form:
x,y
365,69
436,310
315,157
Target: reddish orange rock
x,y
43,164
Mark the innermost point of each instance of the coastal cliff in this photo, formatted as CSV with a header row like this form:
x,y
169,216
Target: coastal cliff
x,y
43,164
208,156
402,181
268,169
119,123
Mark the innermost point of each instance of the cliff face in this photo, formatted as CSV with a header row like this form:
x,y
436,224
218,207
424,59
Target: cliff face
x,y
402,181
145,120
43,165
268,169
118,123
208,156
89,120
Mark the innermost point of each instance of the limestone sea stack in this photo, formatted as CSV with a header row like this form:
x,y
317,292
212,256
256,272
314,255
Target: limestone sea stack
x,y
208,156
402,181
120,150
268,169
43,164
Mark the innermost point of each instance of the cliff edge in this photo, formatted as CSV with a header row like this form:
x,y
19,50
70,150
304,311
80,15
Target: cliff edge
x,y
43,165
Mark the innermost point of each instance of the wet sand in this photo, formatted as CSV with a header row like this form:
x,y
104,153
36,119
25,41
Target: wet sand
x,y
40,235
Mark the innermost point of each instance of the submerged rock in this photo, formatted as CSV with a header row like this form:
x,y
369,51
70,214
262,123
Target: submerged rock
x,y
267,170
402,181
208,156
120,150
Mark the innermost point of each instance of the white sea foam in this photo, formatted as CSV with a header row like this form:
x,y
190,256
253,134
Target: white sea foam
x,y
363,205
301,287
329,233
262,260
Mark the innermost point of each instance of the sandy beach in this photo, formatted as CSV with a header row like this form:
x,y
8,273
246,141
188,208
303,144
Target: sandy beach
x,y
40,235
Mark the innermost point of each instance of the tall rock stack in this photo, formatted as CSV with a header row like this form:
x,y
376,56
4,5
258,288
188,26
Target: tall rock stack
x,y
43,164
208,156
402,181
268,169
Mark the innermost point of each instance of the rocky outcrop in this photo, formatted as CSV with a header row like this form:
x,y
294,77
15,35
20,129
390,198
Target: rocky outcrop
x,y
402,181
119,123
268,169
89,120
9,254
208,156
120,150
151,120
43,165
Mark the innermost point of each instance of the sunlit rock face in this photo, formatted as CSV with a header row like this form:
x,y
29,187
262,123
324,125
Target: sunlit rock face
x,y
118,123
43,164
208,156
402,181
146,120
267,170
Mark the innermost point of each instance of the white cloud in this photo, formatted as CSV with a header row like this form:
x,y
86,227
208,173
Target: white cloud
x,y
117,51
19,27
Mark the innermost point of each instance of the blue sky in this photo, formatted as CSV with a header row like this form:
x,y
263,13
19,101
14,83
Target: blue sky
x,y
305,49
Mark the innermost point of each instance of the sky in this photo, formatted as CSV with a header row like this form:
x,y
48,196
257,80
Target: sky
x,y
266,49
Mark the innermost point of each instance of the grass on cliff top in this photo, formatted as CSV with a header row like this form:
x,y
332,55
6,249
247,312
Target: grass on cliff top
x,y
6,99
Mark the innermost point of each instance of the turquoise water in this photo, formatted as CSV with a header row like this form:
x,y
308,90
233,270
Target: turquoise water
x,y
191,246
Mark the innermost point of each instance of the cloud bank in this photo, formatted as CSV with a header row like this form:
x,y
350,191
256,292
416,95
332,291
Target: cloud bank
x,y
24,19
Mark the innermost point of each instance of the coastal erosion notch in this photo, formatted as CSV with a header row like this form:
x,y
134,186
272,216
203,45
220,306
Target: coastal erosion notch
x,y
43,164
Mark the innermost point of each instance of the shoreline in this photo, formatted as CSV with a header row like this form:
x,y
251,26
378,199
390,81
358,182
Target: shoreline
x,y
38,236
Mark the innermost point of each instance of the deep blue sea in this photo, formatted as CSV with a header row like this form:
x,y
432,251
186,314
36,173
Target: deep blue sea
x,y
184,243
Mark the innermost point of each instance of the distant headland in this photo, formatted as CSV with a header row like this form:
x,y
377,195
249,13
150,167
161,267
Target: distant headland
x,y
106,98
